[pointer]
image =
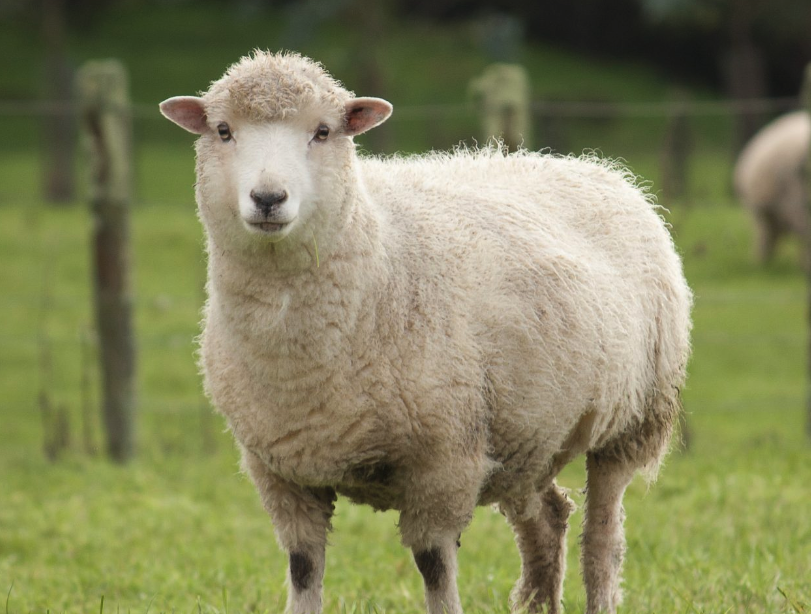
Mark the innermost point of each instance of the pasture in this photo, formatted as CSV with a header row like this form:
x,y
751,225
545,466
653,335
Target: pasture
x,y
725,529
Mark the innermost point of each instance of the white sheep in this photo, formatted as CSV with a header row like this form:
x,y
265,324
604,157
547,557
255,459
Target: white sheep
x,y
428,334
769,180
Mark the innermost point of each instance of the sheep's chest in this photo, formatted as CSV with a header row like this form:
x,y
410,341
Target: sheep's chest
x,y
308,423
314,447
348,458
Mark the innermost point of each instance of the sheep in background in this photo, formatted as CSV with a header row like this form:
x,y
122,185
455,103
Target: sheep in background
x,y
769,179
428,334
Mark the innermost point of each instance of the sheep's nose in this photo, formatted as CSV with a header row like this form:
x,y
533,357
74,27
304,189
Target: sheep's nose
x,y
266,202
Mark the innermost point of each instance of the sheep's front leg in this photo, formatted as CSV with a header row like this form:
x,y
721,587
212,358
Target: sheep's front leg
x,y
437,564
439,507
301,518
305,577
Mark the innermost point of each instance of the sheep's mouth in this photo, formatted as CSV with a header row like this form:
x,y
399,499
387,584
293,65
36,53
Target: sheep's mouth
x,y
267,226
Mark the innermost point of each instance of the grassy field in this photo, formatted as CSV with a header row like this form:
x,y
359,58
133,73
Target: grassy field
x,y
726,528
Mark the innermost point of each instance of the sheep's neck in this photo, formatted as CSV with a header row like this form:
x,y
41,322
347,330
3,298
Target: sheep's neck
x,y
263,300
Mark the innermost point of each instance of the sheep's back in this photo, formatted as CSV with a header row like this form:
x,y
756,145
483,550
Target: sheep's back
x,y
563,271
487,213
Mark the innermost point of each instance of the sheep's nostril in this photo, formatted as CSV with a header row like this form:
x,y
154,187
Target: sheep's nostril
x,y
267,201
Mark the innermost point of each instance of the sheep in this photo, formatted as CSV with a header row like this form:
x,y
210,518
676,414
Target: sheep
x,y
769,180
431,333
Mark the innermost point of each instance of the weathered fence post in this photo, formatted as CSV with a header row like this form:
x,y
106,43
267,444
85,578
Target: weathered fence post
x,y
106,121
806,102
676,151
550,128
502,95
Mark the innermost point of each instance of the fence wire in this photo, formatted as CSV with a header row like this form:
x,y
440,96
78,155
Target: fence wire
x,y
13,343
569,109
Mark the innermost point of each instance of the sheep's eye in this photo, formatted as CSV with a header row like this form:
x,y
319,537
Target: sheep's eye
x,y
224,131
322,133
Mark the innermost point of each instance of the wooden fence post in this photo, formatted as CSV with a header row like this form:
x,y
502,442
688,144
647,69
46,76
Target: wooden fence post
x,y
676,150
106,122
60,128
806,102
502,95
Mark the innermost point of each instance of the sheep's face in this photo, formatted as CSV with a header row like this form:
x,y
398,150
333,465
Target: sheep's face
x,y
265,179
272,169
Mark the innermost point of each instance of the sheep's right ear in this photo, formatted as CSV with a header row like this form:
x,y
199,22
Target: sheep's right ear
x,y
363,114
188,112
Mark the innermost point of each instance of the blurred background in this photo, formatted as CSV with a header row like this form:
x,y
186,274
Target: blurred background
x,y
613,77
674,88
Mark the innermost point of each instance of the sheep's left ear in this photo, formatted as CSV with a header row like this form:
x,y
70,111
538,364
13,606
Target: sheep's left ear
x,y
363,114
188,112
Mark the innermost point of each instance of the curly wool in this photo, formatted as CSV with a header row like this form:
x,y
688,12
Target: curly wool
x,y
268,86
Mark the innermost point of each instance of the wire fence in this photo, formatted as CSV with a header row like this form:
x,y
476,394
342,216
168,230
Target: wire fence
x,y
685,148
558,108
640,131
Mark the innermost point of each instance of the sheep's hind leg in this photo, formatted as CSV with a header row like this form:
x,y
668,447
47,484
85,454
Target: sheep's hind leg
x,y
541,542
603,541
302,519
767,234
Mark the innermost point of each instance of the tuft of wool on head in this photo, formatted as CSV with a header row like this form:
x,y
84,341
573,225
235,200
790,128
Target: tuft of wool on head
x,y
267,86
